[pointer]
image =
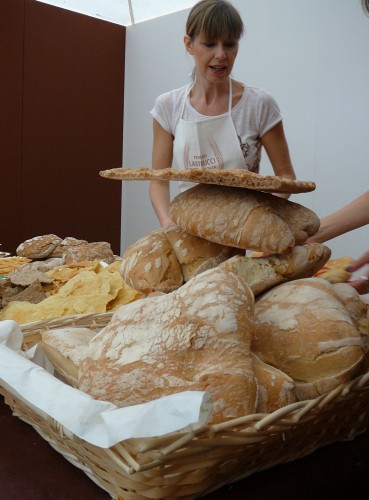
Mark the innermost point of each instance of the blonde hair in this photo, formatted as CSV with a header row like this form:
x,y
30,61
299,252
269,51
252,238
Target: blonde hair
x,y
216,19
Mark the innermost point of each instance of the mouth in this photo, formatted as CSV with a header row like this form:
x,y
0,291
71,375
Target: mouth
x,y
218,68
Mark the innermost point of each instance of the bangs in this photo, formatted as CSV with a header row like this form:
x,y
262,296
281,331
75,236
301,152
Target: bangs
x,y
221,27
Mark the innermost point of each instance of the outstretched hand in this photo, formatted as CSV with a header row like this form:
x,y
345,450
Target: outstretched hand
x,y
360,284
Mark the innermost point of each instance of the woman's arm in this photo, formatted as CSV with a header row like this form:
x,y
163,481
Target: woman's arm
x,y
276,146
162,154
350,217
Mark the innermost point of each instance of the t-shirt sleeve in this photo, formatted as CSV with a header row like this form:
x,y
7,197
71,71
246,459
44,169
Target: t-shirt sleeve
x,y
162,112
268,111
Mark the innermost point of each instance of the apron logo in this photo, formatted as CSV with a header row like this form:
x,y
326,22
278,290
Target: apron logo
x,y
203,161
217,152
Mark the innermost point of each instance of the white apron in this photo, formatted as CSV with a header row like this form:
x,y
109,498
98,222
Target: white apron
x,y
207,144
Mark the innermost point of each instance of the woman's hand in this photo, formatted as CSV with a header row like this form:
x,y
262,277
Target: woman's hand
x,y
360,284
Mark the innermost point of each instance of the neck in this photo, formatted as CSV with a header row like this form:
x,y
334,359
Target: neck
x,y
209,92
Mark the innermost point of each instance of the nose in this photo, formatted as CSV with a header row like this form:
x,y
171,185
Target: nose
x,y
220,51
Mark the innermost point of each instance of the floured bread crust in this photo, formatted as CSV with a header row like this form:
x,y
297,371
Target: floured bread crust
x,y
357,309
150,264
166,258
243,218
196,338
303,328
262,273
38,247
236,178
275,388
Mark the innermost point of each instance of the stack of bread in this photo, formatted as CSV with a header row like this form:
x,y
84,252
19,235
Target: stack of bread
x,y
256,333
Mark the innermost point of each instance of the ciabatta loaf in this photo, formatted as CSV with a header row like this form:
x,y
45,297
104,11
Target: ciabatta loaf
x,y
243,218
166,258
275,388
195,338
262,273
65,347
303,328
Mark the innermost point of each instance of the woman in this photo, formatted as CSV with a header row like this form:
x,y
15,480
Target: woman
x,y
215,121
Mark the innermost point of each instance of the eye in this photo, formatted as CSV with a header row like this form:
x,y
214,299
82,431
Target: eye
x,y
209,44
230,44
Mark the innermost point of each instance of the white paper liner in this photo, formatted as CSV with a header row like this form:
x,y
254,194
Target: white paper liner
x,y
100,423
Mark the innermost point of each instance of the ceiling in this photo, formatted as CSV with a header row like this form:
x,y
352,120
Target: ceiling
x,y
124,12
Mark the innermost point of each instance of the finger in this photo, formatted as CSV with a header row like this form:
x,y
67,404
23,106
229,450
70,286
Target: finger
x,y
358,263
361,285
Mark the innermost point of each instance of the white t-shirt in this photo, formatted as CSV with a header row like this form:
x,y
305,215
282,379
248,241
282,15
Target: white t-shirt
x,y
253,116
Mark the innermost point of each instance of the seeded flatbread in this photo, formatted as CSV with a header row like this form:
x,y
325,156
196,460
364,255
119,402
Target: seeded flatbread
x,y
233,178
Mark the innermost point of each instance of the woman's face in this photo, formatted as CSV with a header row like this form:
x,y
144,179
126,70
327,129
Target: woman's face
x,y
214,59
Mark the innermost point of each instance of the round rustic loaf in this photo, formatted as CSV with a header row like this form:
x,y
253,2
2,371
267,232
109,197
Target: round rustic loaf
x,y
69,241
38,247
166,258
99,250
303,328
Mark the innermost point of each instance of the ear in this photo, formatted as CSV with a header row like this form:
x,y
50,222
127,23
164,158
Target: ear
x,y
188,44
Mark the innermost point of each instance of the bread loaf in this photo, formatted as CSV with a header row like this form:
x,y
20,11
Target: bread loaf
x,y
166,258
275,388
38,247
262,273
356,307
303,328
195,338
243,218
65,347
98,250
358,311
69,241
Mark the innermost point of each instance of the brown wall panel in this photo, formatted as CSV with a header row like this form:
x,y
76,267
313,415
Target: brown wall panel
x,y
64,74
11,71
73,124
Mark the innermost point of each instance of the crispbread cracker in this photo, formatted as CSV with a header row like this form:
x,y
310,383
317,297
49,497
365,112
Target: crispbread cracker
x,y
9,264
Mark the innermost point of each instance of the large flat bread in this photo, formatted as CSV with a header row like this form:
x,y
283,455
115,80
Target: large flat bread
x,y
237,178
195,338
243,218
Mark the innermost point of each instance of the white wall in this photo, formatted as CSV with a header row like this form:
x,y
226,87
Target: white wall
x,y
312,55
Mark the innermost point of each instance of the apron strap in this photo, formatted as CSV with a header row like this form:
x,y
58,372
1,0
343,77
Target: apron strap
x,y
230,97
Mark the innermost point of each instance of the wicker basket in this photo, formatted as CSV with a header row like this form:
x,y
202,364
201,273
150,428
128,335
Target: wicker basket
x,y
187,465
